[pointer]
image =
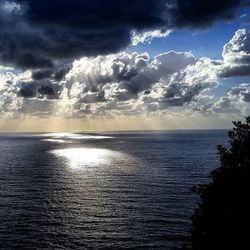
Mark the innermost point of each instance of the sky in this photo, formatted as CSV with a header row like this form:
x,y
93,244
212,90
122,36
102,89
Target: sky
x,y
123,65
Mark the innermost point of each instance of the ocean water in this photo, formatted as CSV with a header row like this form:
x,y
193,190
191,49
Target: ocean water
x,y
102,191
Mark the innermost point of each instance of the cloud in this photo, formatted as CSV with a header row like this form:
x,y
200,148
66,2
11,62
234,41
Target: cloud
x,y
241,93
200,14
41,90
234,71
46,37
148,36
101,85
135,83
129,84
236,55
52,75
9,104
42,74
126,73
236,101
26,98
184,86
38,34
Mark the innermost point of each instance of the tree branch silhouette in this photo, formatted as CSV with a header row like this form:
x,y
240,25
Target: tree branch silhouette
x,y
222,219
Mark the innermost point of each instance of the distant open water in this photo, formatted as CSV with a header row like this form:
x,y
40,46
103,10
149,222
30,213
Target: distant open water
x,y
101,191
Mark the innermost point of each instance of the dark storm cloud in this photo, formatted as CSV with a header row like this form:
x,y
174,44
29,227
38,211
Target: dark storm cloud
x,y
42,74
60,73
36,34
57,74
39,90
203,13
28,90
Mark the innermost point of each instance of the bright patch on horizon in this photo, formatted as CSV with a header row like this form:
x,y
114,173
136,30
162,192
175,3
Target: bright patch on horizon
x,y
55,140
68,135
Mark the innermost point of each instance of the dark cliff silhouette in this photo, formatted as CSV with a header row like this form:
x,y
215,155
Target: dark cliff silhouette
x,y
222,219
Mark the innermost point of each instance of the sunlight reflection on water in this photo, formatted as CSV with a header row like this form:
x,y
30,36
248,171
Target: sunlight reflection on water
x,y
78,158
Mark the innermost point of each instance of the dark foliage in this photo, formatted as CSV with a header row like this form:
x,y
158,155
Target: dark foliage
x,y
222,219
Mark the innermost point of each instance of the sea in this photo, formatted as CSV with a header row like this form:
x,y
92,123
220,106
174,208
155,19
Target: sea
x,y
126,190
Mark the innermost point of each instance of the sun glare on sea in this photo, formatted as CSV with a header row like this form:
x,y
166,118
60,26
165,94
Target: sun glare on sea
x,y
79,158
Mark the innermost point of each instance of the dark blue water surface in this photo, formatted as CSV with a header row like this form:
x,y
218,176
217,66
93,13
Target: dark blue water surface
x,y
101,191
